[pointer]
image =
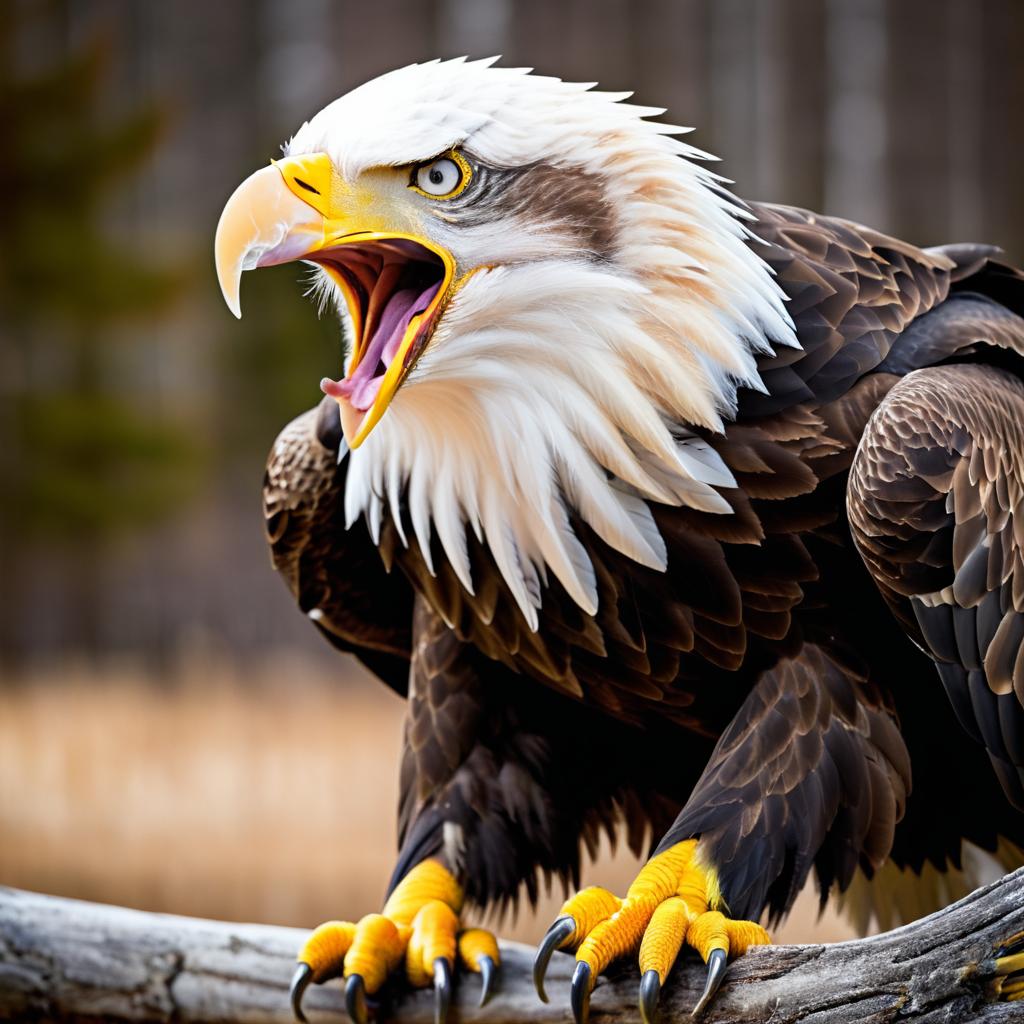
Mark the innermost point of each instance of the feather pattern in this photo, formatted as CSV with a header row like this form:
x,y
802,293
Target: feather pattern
x,y
936,498
609,510
654,651
657,331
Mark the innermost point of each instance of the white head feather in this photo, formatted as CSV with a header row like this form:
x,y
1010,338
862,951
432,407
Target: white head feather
x,y
560,381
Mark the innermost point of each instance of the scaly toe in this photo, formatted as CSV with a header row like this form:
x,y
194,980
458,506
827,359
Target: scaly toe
x,y
321,958
715,937
1009,969
578,917
478,952
434,930
418,926
658,951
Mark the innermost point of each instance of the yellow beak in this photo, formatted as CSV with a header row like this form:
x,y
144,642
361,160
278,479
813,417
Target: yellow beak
x,y
296,210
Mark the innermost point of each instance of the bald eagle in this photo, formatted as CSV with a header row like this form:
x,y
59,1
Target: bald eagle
x,y
662,509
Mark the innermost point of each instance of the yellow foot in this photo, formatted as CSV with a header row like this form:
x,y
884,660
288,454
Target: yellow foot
x,y
420,926
1009,969
673,900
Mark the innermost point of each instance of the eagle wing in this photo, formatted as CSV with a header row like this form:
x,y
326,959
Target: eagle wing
x,y
936,503
812,767
852,292
689,643
336,575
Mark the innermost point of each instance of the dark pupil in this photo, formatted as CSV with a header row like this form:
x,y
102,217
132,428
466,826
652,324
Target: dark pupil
x,y
436,177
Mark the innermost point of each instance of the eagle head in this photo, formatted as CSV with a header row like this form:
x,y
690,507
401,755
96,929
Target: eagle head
x,y
544,293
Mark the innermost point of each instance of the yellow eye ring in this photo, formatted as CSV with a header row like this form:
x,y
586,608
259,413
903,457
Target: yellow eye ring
x,y
435,174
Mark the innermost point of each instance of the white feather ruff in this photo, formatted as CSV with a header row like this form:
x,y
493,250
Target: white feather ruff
x,y
557,383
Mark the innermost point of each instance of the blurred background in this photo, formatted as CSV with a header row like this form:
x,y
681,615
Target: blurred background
x,y
173,733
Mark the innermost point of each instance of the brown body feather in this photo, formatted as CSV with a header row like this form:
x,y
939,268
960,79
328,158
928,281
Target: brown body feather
x,y
766,634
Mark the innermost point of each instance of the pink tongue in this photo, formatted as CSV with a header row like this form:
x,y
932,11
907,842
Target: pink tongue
x,y
362,386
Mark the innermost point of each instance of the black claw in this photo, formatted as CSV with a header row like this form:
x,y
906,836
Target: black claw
x,y
579,994
300,982
442,989
650,990
717,963
487,973
355,998
557,935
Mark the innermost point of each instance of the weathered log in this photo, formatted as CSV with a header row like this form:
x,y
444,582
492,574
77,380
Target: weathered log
x,y
64,960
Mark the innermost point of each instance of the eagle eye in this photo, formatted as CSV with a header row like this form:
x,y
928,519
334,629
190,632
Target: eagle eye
x,y
442,178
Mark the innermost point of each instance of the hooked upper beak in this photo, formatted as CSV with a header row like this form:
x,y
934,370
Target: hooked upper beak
x,y
262,224
395,284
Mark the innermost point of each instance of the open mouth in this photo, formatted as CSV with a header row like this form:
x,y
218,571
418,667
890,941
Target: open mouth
x,y
393,287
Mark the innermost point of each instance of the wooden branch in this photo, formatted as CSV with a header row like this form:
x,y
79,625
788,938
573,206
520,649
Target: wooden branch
x,y
64,960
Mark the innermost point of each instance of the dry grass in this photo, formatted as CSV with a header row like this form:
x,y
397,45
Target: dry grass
x,y
266,798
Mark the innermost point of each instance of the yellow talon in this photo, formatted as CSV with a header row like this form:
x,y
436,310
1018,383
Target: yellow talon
x,y
708,932
1009,964
475,943
433,936
376,950
618,935
675,899
588,908
478,952
429,880
698,888
664,937
325,949
744,934
662,875
1009,969
420,924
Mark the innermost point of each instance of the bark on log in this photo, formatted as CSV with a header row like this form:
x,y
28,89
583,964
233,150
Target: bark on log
x,y
64,960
